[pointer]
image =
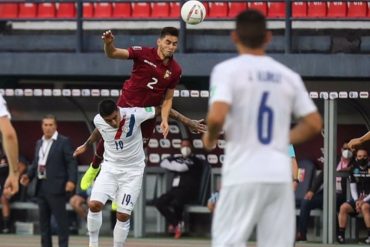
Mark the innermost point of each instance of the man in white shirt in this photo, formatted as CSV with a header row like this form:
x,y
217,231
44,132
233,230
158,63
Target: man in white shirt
x,y
255,96
121,175
10,144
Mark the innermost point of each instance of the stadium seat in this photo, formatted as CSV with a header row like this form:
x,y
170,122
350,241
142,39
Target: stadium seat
x,y
103,10
27,10
140,10
8,10
357,9
236,8
46,10
261,6
160,10
317,9
66,10
218,9
174,10
299,9
88,10
121,10
337,9
276,10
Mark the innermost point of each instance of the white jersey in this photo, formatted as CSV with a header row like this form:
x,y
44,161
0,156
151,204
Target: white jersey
x,y
124,145
262,94
3,109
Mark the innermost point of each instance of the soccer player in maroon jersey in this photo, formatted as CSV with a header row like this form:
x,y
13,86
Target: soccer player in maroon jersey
x,y
154,76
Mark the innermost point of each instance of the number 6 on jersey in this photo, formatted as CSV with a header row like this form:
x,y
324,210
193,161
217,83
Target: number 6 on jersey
x,y
265,120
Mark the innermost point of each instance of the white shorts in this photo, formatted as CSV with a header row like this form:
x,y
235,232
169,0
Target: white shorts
x,y
269,206
121,186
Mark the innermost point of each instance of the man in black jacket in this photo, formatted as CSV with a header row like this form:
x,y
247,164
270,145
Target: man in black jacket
x,y
56,172
187,171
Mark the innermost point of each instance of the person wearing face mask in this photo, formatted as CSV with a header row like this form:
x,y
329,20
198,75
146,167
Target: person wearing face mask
x,y
187,171
313,199
360,192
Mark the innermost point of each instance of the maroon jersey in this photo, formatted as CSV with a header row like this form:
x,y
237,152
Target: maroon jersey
x,y
150,78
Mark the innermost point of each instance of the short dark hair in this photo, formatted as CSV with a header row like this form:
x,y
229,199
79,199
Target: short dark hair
x,y
251,28
169,31
49,116
107,107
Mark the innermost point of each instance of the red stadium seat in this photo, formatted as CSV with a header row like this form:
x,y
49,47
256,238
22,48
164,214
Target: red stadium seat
x,y
276,10
46,10
174,10
236,8
66,10
27,10
337,9
218,9
357,9
299,9
317,9
103,10
8,10
88,10
141,10
160,10
121,10
260,6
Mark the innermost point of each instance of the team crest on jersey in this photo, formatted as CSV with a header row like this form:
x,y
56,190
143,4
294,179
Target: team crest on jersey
x,y
126,129
167,74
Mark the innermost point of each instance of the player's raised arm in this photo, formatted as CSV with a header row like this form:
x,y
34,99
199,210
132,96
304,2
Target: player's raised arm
x,y
195,126
354,143
94,137
110,50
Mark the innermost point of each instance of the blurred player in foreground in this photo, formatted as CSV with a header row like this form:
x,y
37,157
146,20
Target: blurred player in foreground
x,y
356,142
254,96
10,145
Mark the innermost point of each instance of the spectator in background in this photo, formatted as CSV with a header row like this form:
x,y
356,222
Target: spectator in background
x,y
360,192
5,200
294,167
313,198
187,171
56,172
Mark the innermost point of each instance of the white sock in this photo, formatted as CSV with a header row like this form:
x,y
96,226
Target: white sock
x,y
94,221
120,233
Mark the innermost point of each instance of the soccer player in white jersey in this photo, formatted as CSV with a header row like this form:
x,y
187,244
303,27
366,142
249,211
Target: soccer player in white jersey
x,y
255,96
10,145
121,176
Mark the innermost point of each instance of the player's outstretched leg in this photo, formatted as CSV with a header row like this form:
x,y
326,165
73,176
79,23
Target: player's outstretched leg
x,y
94,222
121,229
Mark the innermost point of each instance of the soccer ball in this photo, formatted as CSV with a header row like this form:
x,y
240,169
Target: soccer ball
x,y
193,12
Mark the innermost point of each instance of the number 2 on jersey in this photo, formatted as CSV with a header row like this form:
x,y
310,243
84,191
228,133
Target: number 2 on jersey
x,y
265,120
151,83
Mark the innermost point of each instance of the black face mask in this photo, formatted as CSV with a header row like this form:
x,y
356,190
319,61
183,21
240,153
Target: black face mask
x,y
362,162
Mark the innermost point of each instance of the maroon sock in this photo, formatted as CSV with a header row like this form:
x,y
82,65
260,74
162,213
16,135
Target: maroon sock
x,y
98,156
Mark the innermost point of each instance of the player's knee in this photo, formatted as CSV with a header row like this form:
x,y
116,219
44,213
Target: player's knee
x,y
365,208
122,217
345,208
95,206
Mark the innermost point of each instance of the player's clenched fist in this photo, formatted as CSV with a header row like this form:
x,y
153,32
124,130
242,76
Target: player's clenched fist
x,y
107,37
